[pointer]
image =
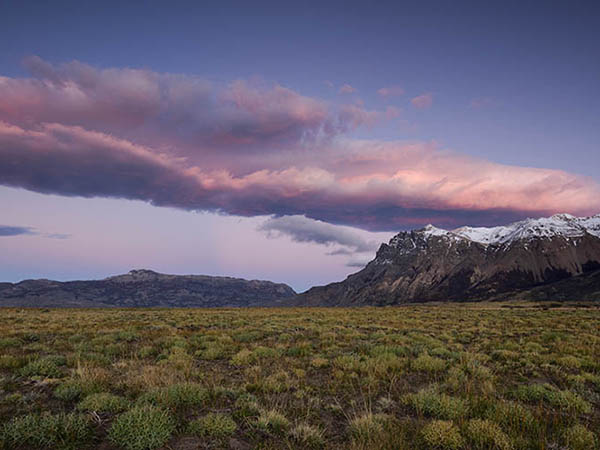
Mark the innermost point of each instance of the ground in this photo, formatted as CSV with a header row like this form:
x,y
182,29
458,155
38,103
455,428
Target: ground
x,y
444,376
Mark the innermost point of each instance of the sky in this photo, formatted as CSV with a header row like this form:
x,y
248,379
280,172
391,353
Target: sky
x,y
284,141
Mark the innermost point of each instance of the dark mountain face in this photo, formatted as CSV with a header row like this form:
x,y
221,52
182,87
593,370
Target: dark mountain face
x,y
475,264
145,288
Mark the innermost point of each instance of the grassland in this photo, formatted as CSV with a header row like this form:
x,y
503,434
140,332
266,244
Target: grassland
x,y
485,376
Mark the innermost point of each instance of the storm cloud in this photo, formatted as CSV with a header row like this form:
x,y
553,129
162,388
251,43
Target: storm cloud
x,y
252,149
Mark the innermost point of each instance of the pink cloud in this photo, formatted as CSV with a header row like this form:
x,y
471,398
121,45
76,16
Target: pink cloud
x,y
173,111
390,91
423,101
343,184
347,89
168,140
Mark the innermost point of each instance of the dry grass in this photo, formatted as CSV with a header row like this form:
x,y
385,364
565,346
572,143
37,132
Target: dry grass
x,y
469,376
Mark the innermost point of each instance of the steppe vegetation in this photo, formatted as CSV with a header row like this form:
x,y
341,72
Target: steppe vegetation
x,y
455,376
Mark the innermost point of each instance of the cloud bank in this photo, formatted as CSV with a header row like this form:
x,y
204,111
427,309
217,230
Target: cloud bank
x,y
251,149
302,229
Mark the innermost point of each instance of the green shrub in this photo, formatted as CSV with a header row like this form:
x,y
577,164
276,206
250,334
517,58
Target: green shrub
x,y
243,358
72,390
176,396
59,431
147,351
68,391
348,363
368,427
430,403
213,425
213,352
44,367
307,436
442,435
142,428
561,399
511,415
103,402
10,342
10,362
246,406
579,437
265,352
427,363
486,435
273,421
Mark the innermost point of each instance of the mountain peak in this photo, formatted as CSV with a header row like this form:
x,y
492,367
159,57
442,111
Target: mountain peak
x,y
559,225
475,263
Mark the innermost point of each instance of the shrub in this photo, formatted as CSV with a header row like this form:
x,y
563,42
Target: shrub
x,y
247,406
10,362
442,435
579,437
273,421
511,415
348,363
486,435
44,367
103,402
319,362
213,352
147,351
368,427
426,363
265,352
141,428
59,431
68,391
307,435
213,425
569,362
277,382
555,397
10,342
176,396
243,358
429,402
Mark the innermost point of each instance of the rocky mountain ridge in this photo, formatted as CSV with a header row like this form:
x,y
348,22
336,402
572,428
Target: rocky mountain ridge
x,y
145,288
468,263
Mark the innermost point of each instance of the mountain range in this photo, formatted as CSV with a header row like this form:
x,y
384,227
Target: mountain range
x,y
544,259
145,288
554,258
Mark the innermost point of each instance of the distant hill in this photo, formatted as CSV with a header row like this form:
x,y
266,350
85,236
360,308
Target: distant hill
x,y
554,258
145,288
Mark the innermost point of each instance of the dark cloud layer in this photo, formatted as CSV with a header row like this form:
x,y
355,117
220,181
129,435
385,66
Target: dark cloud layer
x,y
250,149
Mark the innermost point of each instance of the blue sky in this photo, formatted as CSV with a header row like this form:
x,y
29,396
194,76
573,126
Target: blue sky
x,y
514,84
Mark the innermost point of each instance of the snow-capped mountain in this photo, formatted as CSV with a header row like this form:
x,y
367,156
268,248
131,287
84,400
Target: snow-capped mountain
x,y
471,263
564,225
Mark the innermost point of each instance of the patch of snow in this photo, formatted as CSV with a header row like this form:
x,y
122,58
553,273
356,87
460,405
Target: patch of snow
x,y
430,230
564,225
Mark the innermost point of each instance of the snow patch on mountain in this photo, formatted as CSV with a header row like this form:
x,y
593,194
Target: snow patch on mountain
x,y
564,225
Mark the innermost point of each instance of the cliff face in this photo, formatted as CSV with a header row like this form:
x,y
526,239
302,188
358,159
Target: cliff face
x,y
145,288
472,264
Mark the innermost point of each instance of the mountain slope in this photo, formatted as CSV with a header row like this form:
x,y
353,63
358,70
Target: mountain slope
x,y
472,264
145,288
